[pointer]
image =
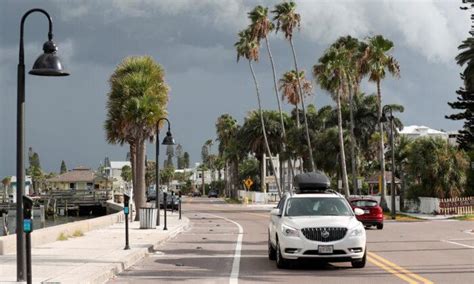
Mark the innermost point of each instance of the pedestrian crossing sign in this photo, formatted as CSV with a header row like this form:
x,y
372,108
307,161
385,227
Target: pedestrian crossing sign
x,y
248,183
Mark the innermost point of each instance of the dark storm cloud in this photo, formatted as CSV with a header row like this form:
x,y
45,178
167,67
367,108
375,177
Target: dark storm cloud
x,y
193,40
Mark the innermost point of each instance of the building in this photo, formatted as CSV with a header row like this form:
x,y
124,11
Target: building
x,y
9,193
80,178
415,131
113,171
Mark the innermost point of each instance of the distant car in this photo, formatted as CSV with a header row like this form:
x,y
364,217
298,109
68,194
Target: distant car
x,y
213,193
373,213
196,194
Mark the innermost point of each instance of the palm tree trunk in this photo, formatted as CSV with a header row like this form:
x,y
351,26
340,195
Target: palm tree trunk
x,y
226,178
139,191
263,127
275,86
308,140
345,182
353,142
383,200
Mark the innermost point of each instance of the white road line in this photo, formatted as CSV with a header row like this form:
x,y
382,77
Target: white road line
x,y
459,244
234,275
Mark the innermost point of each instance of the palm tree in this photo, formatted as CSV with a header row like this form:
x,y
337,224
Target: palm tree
x,y
248,48
260,27
378,61
288,85
286,20
226,130
332,75
355,56
137,99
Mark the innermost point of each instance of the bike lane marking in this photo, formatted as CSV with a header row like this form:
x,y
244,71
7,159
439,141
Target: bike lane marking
x,y
234,274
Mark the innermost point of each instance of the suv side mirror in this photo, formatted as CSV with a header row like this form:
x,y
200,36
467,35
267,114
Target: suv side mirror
x,y
275,212
358,211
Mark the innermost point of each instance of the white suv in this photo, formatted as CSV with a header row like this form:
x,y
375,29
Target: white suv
x,y
315,223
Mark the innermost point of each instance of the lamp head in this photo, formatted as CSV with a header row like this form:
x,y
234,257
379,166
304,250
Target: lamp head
x,y
168,140
49,63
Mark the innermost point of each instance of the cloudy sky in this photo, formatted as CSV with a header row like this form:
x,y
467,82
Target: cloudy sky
x,y
193,40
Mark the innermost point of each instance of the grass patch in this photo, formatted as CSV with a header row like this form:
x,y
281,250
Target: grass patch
x,y
77,233
400,217
467,217
62,237
233,201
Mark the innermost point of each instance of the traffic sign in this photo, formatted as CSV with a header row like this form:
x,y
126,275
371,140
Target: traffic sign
x,y
248,183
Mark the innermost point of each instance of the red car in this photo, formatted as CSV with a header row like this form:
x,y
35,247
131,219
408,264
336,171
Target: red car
x,y
373,213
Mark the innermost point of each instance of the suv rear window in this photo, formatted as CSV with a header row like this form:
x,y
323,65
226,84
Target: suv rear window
x,y
364,203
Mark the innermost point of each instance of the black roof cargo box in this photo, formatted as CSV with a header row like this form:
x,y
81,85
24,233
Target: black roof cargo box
x,y
311,182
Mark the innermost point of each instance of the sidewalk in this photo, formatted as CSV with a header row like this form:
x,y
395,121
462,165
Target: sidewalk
x,y
429,216
94,257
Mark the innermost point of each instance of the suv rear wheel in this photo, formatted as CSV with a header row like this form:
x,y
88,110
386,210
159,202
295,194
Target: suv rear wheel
x,y
271,251
361,262
281,262
380,226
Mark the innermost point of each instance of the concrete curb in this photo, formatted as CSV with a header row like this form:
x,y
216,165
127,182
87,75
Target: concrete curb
x,y
121,260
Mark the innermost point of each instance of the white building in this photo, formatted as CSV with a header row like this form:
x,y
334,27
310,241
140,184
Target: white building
x,y
114,170
415,131
10,193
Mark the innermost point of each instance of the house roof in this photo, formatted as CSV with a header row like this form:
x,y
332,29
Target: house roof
x,y
79,174
374,179
119,164
421,130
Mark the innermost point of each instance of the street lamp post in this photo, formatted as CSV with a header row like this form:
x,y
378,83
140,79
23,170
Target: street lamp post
x,y
47,64
388,108
168,140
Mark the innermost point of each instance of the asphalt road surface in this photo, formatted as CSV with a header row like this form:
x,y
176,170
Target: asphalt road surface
x,y
228,244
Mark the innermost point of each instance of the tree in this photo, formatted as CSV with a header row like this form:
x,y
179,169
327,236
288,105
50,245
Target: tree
x,y
179,156
249,49
126,173
150,174
34,169
137,99
436,168
287,20
465,99
331,73
186,161
166,175
226,132
288,85
170,155
378,61
6,181
260,27
63,168
356,70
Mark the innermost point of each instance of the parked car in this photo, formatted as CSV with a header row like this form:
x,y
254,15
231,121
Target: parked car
x,y
373,213
213,193
315,223
197,194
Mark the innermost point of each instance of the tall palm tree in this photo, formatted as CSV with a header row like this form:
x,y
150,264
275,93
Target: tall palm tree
x,y
248,48
137,99
260,27
226,130
355,58
378,61
288,85
332,75
286,20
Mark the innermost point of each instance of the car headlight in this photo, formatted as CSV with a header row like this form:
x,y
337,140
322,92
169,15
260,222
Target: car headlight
x,y
357,232
289,231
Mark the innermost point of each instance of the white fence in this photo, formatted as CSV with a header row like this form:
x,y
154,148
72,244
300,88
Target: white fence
x,y
424,205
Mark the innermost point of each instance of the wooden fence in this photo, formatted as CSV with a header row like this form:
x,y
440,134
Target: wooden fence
x,y
460,205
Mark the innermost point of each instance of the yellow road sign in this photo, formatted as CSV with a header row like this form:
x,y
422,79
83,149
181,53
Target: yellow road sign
x,y
248,183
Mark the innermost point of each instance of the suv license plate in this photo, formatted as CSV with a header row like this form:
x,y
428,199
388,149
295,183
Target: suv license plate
x,y
325,249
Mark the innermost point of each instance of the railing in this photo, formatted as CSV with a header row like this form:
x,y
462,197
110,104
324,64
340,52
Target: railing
x,y
460,205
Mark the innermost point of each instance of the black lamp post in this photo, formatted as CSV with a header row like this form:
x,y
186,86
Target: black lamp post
x,y
384,118
47,64
168,140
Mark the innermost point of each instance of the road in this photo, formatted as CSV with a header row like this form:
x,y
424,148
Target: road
x,y
228,244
